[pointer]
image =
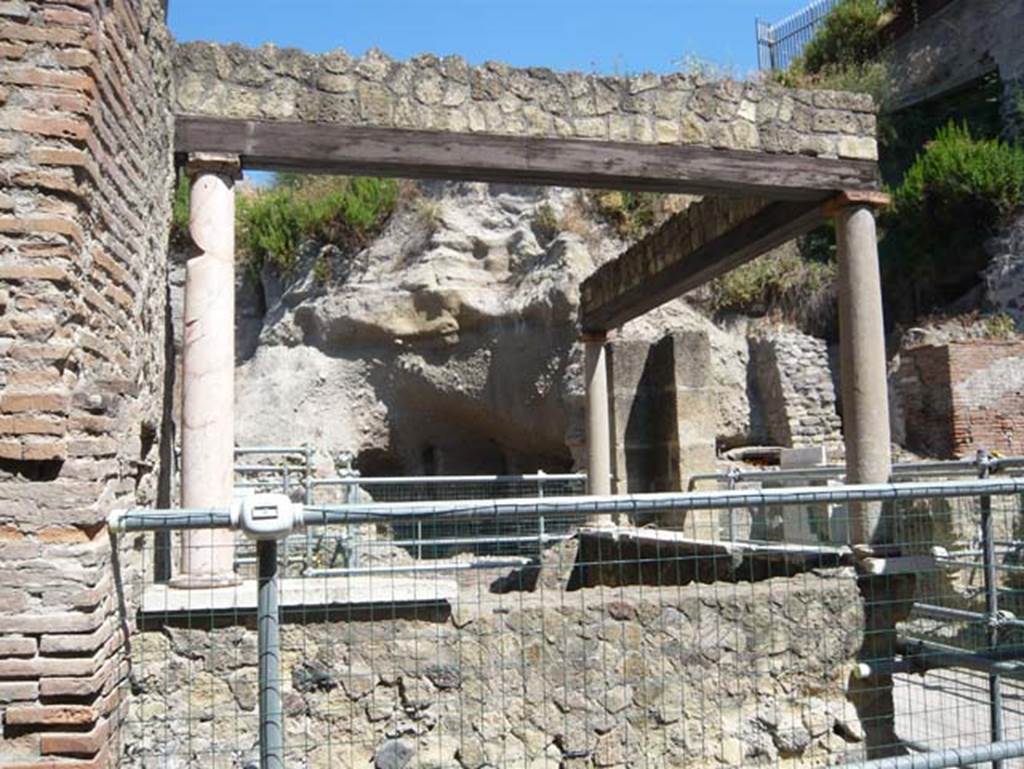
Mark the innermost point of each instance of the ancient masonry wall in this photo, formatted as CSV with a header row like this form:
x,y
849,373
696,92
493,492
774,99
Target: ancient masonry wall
x,y
796,390
697,675
662,412
963,41
956,398
428,92
85,181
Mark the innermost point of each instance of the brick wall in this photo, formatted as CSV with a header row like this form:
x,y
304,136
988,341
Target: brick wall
x,y
922,407
955,398
85,179
987,396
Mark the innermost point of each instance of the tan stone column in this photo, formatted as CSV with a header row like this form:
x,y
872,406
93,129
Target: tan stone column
x,y
862,364
888,599
599,449
208,363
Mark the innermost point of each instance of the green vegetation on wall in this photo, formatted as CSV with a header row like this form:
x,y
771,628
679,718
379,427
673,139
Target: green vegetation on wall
x,y
953,183
954,195
346,211
849,36
272,223
787,284
631,214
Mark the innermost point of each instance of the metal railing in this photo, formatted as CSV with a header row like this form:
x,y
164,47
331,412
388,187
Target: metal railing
x,y
319,551
779,43
731,477
608,555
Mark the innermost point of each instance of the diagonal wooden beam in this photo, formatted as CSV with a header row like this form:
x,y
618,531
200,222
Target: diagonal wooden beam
x,y
330,148
693,247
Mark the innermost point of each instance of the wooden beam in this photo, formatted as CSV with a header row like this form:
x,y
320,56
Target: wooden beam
x,y
679,257
336,149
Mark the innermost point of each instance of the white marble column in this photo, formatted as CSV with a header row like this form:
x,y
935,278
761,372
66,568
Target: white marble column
x,y
862,365
599,449
208,363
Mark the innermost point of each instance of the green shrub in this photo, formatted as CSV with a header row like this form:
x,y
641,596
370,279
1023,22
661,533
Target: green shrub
x,y
783,284
958,190
346,211
849,36
631,214
545,223
180,210
959,176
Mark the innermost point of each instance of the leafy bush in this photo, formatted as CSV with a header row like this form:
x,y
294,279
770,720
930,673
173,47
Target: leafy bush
x,y
959,176
848,36
631,214
545,223
784,284
180,210
958,190
341,210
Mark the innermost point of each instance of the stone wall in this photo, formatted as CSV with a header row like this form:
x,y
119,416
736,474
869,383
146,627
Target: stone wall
x,y
796,389
693,675
85,180
663,412
959,43
959,397
1003,277
428,92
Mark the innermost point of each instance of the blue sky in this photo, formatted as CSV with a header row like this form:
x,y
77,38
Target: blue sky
x,y
606,36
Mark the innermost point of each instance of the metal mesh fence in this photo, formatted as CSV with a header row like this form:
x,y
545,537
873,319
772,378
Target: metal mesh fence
x,y
780,43
677,642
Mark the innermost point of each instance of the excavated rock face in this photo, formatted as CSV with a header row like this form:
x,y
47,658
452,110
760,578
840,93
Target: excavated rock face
x,y
445,346
449,343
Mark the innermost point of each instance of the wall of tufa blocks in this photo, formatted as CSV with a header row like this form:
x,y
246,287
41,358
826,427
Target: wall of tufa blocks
x,y
432,93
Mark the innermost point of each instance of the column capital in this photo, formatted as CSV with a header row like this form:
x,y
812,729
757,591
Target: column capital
x,y
597,336
224,163
849,198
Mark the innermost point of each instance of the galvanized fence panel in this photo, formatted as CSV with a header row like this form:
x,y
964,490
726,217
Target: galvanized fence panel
x,y
779,43
666,644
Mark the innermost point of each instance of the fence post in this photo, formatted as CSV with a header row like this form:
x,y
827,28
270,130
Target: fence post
x,y
307,497
995,703
269,646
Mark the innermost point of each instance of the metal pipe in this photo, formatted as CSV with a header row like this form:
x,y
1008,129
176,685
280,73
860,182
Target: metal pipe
x,y
495,540
276,469
949,757
963,615
961,466
659,503
408,480
297,450
430,567
928,655
588,505
269,651
169,520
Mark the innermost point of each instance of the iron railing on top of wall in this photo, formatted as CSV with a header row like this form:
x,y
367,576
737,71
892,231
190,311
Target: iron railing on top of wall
x,y
780,42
